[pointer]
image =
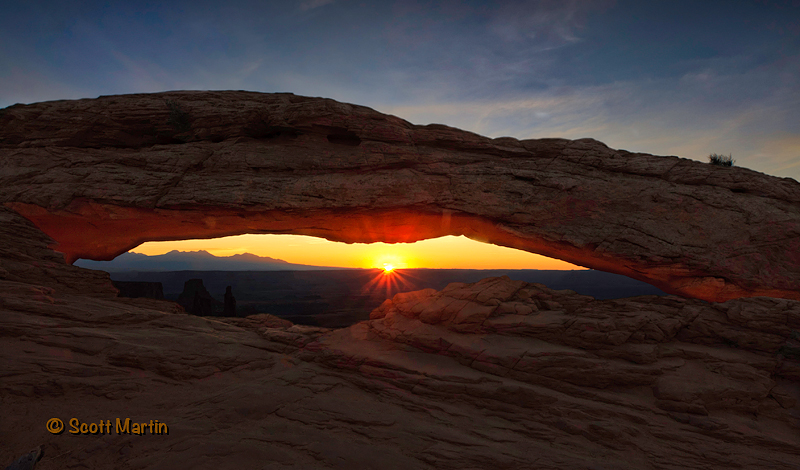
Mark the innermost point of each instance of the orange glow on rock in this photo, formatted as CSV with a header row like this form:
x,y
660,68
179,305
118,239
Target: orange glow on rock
x,y
98,231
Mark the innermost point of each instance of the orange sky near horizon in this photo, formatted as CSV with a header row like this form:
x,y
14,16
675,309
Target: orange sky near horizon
x,y
448,252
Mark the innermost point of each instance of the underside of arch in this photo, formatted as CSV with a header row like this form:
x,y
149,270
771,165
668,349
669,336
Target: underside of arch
x,y
103,176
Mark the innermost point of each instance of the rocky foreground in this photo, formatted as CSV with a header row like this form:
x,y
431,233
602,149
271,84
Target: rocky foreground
x,y
496,374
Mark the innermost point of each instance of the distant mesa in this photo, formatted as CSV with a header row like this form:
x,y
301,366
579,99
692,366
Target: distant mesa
x,y
196,300
136,289
193,261
230,303
339,298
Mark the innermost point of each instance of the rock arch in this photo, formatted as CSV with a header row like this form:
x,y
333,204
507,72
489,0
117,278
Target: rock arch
x,y
101,176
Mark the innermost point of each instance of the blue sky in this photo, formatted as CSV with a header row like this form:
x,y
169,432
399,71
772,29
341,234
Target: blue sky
x,y
684,78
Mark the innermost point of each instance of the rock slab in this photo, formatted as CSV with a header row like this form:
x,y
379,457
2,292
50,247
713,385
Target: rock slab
x,y
101,176
134,289
494,374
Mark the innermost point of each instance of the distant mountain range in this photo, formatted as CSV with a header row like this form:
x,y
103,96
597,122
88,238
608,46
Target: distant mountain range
x,y
193,261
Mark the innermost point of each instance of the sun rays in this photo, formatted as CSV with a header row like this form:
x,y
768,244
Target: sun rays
x,y
388,281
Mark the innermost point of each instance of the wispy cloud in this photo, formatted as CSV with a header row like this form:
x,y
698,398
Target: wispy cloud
x,y
690,117
311,4
551,23
727,82
140,75
25,84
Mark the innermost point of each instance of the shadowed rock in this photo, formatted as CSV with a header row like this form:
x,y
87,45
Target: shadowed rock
x,y
230,303
493,374
134,289
195,299
102,176
28,461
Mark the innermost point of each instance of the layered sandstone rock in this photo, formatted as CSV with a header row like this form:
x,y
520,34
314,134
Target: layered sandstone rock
x,y
28,461
135,289
496,374
102,176
196,299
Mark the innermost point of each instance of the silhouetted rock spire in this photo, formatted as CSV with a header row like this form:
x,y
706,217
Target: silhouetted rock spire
x,y
230,303
196,300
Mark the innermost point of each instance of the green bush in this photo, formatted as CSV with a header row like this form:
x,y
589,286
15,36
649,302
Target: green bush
x,y
720,160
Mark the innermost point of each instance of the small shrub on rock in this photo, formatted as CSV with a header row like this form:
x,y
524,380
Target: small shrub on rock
x,y
720,160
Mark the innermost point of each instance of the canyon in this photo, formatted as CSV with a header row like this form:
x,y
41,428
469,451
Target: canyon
x,y
493,374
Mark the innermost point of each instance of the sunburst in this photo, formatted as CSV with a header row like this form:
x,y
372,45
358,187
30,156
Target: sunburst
x,y
387,281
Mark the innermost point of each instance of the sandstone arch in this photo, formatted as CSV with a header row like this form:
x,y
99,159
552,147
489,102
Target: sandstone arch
x,y
101,176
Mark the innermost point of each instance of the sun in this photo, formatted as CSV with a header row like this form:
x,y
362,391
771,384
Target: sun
x,y
389,263
393,277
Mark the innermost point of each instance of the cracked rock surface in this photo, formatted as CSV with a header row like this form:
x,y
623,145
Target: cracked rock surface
x,y
495,374
101,176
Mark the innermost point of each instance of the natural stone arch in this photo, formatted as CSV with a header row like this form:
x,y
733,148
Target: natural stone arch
x,y
102,176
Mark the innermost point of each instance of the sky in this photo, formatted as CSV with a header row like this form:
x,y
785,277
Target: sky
x,y
444,253
685,78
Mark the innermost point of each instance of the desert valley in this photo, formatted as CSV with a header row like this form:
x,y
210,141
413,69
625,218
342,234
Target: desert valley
x,y
314,295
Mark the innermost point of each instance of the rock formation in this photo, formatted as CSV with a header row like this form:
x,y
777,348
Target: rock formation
x,y
134,289
104,175
28,461
494,374
230,304
195,299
